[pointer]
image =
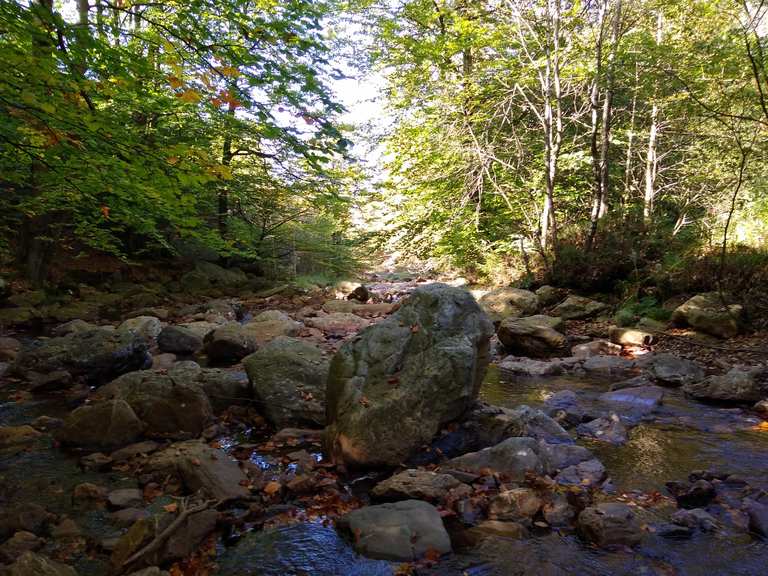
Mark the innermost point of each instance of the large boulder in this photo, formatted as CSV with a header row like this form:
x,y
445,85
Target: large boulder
x,y
101,426
549,295
578,307
707,313
148,327
179,340
229,344
401,532
32,564
736,385
672,370
98,355
289,378
270,324
391,387
509,303
534,336
517,457
168,406
199,467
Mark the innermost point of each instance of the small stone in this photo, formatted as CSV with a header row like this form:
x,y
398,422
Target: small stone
x,y
65,529
609,524
95,462
19,543
126,498
515,504
89,493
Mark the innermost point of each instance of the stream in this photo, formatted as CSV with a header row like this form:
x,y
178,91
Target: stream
x,y
679,437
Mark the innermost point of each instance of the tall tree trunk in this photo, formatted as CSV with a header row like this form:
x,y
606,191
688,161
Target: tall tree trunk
x,y
226,160
651,166
600,205
628,179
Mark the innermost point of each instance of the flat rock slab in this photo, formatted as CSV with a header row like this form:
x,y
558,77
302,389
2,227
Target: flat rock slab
x,y
644,399
416,484
401,531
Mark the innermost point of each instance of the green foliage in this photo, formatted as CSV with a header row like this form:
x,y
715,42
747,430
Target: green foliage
x,y
124,131
646,307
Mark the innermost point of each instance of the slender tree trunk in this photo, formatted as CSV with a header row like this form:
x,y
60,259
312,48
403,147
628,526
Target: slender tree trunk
x,y
594,104
651,157
602,164
553,125
628,180
82,12
226,160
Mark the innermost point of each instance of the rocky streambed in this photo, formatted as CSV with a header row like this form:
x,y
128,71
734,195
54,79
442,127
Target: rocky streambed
x,y
306,435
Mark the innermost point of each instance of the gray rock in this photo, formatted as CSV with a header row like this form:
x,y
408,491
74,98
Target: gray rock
x,y
707,313
179,340
595,348
73,327
200,467
529,367
609,524
532,336
271,324
167,406
696,518
638,399
181,544
514,458
419,368
520,504
509,302
229,344
565,409
416,484
578,307
671,370
12,436
148,327
101,426
492,424
549,295
19,543
606,429
98,355
134,450
32,564
402,531
23,517
289,378
125,498
225,388
338,323
608,365
736,385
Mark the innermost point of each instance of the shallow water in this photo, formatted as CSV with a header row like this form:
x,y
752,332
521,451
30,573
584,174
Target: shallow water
x,y
682,436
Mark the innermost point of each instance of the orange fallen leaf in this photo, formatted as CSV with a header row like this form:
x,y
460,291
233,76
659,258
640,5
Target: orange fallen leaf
x,y
272,488
173,507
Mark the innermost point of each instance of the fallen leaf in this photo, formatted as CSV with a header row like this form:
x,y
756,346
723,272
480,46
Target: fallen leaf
x,y
272,488
173,507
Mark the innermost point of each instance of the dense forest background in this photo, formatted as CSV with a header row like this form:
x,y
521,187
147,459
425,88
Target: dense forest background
x,y
605,145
